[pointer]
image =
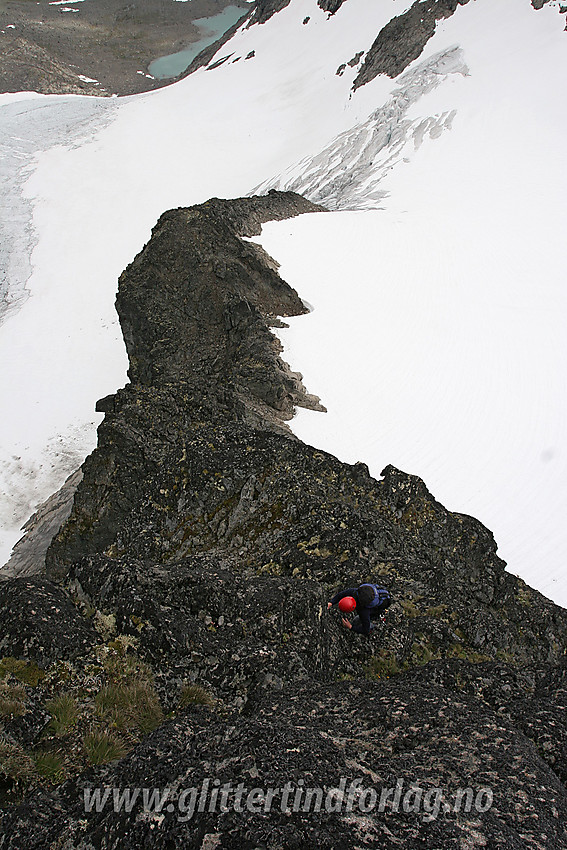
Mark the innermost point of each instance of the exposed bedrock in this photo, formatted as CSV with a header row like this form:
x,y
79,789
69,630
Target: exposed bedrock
x,y
40,622
193,576
264,9
403,38
28,556
194,456
331,6
195,307
387,737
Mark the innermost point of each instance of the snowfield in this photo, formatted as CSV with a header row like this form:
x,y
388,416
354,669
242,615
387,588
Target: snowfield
x,y
436,339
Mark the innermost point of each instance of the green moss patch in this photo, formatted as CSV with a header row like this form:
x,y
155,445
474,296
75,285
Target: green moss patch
x,y
25,671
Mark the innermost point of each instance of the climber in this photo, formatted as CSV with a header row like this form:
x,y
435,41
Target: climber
x,y
369,600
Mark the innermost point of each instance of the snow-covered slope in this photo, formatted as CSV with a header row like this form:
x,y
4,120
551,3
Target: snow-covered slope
x,y
452,356
435,337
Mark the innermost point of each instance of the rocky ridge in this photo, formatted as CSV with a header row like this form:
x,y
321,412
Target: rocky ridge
x,y
404,37
183,614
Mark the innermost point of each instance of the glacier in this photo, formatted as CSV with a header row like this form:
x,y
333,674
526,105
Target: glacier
x,y
435,339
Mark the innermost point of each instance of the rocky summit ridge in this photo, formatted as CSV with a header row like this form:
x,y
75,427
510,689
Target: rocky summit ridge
x,y
179,635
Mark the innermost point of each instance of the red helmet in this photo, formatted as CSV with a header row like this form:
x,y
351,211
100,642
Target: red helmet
x,y
347,603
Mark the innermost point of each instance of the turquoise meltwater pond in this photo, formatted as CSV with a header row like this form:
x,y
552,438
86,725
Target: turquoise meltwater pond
x,y
212,28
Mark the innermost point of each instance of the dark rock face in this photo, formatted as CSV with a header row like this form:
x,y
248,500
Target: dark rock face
x,y
330,6
202,620
208,357
51,52
207,539
264,9
480,782
194,459
209,330
38,621
28,557
274,506
403,39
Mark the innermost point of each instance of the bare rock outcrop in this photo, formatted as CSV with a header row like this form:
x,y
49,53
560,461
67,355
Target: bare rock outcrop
x,y
182,639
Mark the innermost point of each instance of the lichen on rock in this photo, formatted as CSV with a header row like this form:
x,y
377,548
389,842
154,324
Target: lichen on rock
x,y
185,605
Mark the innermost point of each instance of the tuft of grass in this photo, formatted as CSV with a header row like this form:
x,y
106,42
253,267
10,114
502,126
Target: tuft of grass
x,y
409,609
130,707
49,765
383,665
505,656
524,594
64,711
15,763
12,700
129,700
436,611
423,651
123,668
25,671
457,650
102,747
194,695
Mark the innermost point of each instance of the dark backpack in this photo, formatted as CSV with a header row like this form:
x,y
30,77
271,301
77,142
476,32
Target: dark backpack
x,y
380,595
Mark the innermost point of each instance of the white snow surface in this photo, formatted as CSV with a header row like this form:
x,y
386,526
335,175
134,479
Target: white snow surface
x,y
435,340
